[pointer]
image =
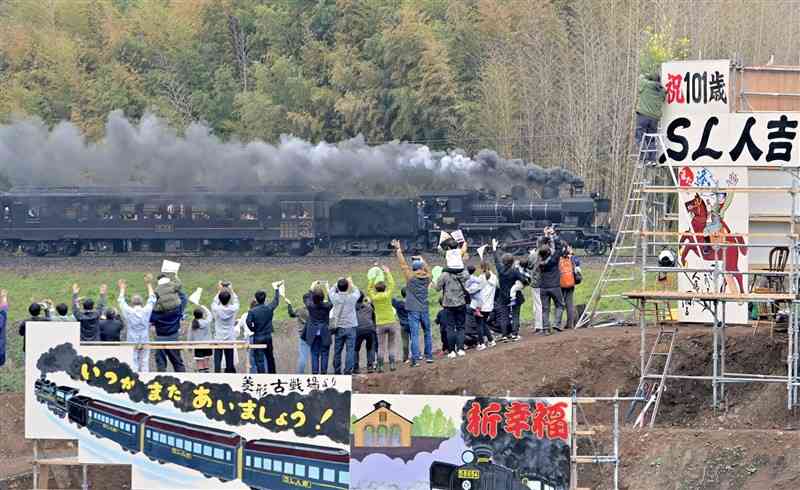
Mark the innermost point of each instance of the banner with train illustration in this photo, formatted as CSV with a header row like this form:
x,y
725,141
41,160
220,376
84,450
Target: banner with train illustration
x,y
407,442
186,430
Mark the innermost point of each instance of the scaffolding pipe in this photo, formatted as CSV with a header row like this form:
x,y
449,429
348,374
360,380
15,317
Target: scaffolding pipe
x,y
721,380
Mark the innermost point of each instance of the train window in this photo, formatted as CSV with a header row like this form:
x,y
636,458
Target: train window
x,y
223,211
7,213
197,448
148,434
170,440
128,212
103,212
218,453
228,455
299,470
248,212
328,474
344,477
257,462
296,210
206,450
34,212
247,461
152,211
163,438
313,472
267,464
200,213
175,211
288,468
133,427
277,466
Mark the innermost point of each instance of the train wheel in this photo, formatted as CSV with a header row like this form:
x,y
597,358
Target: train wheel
x,y
596,248
160,462
207,476
36,249
151,459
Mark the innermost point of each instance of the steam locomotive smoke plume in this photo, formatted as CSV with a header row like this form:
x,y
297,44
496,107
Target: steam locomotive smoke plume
x,y
152,153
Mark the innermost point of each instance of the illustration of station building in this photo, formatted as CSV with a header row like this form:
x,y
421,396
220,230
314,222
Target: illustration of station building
x,y
382,427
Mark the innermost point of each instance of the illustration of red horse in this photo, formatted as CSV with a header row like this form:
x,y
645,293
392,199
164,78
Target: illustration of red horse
x,y
702,245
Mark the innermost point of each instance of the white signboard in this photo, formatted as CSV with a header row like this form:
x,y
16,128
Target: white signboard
x,y
768,139
696,87
704,217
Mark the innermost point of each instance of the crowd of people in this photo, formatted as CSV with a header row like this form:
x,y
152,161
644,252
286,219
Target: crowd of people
x,y
480,303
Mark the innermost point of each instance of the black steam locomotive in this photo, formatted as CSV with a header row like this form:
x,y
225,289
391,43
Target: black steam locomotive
x,y
479,472
69,220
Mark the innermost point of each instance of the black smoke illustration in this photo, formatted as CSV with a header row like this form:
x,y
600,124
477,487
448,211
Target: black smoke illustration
x,y
152,153
529,455
324,412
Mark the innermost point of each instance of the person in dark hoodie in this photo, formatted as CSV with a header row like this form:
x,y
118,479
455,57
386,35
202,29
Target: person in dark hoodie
x,y
168,326
316,332
259,321
110,326
35,311
399,306
550,281
366,332
88,316
507,275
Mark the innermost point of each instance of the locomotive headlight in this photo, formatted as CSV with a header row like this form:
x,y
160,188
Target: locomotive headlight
x,y
467,457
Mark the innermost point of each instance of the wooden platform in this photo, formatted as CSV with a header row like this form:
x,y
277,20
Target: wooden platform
x,y
681,296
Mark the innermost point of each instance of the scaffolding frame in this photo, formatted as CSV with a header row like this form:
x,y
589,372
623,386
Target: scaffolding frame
x,y
720,377
595,458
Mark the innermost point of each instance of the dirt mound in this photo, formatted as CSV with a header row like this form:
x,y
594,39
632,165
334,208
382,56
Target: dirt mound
x,y
598,361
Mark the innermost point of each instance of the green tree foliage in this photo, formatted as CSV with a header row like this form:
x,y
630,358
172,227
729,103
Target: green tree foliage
x,y
433,424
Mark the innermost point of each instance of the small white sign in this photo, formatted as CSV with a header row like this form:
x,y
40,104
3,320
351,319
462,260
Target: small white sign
x,y
481,251
458,236
195,297
170,267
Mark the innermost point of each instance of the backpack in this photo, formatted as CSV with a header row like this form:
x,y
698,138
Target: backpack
x,y
567,272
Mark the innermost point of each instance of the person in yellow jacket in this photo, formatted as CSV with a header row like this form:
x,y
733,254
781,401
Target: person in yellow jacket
x,y
380,293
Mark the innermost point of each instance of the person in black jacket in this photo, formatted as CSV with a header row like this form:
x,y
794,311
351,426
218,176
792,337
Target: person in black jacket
x,y
88,316
507,275
168,327
550,282
259,321
110,327
35,310
366,332
316,332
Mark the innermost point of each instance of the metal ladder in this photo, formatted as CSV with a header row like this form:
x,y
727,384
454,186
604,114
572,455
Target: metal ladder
x,y
603,307
648,389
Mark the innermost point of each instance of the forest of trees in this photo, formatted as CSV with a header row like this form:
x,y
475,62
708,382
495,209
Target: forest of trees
x,y
549,81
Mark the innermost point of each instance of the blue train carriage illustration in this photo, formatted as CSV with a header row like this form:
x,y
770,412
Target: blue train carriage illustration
x,y
479,472
274,464
212,452
260,464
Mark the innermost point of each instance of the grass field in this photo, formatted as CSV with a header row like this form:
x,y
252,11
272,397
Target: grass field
x,y
245,279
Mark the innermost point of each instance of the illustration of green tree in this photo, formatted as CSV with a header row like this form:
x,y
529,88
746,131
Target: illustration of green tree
x,y
433,424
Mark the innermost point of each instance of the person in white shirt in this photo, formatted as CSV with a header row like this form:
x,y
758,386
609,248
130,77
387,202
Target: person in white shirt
x,y
136,318
224,309
487,306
